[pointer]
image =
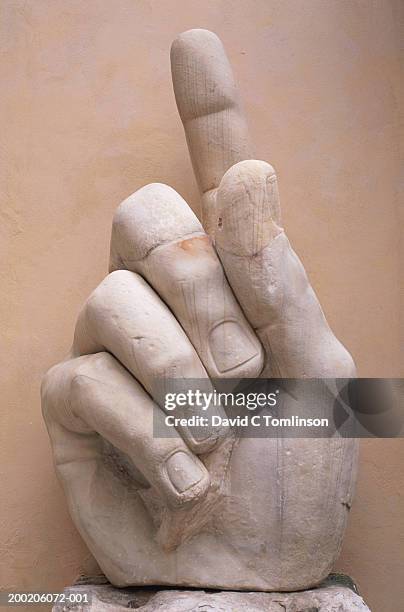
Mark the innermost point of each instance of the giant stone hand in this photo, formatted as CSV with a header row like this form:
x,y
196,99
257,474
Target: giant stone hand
x,y
228,298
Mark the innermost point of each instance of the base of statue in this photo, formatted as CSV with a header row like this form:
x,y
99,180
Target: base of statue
x,y
336,594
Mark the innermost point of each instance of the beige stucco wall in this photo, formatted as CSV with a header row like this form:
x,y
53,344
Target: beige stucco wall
x,y
88,116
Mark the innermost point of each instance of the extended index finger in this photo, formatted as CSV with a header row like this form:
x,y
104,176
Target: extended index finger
x,y
209,106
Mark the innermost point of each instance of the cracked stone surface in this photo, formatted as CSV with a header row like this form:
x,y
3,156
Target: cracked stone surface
x,y
105,598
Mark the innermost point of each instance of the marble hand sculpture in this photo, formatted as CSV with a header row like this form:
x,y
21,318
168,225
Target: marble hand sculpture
x,y
227,297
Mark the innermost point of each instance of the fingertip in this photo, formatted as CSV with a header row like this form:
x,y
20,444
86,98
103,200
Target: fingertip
x,y
193,36
248,208
247,168
188,479
202,76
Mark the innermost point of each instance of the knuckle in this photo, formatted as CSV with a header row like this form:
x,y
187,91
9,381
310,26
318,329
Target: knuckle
x,y
110,291
78,383
48,381
52,390
346,366
90,368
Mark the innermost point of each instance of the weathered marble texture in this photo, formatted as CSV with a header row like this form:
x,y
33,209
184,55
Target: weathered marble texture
x,y
228,297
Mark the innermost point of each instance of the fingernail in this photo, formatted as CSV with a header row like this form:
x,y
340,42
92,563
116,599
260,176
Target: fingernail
x,y
183,471
230,346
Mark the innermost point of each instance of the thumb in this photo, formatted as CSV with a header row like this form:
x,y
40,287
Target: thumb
x,y
269,279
